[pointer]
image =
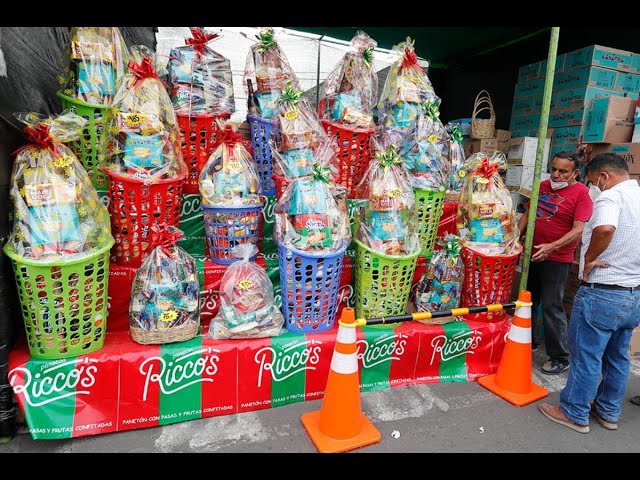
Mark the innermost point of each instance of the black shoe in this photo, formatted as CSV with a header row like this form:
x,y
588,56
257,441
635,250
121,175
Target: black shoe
x,y
534,347
554,367
635,400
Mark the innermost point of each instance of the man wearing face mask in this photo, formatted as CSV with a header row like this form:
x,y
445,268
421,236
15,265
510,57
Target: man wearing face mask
x,y
564,206
607,306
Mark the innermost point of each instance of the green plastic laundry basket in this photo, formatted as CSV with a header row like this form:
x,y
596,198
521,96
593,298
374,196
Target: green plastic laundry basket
x,y
64,304
428,210
90,148
383,282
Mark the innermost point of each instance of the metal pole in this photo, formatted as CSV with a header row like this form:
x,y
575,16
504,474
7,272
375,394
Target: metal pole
x,y
542,137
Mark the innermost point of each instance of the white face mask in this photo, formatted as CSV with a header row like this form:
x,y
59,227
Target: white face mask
x,y
559,185
594,191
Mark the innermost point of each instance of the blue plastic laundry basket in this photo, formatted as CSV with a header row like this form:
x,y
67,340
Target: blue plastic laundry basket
x,y
261,131
310,285
227,227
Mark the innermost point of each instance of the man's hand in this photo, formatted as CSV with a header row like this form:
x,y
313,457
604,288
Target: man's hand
x,y
588,266
544,250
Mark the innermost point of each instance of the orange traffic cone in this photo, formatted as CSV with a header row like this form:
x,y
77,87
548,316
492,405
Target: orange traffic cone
x,y
512,381
340,425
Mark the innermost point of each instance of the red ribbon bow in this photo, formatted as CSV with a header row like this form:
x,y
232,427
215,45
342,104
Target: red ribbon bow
x,y
143,70
38,136
228,136
200,39
410,60
165,236
486,169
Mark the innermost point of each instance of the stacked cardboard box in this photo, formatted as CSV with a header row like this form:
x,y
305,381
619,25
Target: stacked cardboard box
x,y
521,160
499,142
581,76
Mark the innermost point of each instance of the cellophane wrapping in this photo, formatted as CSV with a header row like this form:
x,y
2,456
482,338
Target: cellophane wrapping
x,y
165,290
200,78
96,60
386,222
456,158
145,137
486,217
246,295
311,215
440,286
350,92
423,151
229,178
406,89
57,213
267,66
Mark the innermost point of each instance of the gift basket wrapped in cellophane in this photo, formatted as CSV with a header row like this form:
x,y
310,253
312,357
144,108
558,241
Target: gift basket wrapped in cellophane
x,y
247,307
97,59
486,217
164,296
406,89
441,283
350,91
145,141
199,77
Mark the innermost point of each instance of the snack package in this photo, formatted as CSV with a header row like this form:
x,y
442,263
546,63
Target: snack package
x,y
406,89
350,92
200,78
165,290
297,123
57,212
268,65
456,158
386,223
246,295
97,59
441,284
311,215
422,151
145,135
229,178
486,217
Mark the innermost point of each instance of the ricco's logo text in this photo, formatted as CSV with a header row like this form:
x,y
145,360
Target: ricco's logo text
x,y
184,370
459,344
52,384
383,349
288,361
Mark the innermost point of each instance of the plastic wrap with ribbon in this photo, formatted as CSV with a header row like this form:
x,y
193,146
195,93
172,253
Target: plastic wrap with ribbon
x,y
268,65
423,150
145,138
96,64
247,308
312,215
406,89
165,290
57,213
441,284
386,223
200,78
229,178
486,217
350,92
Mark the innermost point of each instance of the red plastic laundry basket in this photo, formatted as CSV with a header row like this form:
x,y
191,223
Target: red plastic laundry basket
x,y
134,207
198,133
487,280
353,153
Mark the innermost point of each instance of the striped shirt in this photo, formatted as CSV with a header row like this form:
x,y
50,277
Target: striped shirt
x,y
620,207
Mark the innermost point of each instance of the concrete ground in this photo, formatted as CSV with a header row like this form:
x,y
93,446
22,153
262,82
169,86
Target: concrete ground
x,y
452,417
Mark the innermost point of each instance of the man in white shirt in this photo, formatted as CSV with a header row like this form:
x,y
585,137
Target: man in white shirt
x,y
606,308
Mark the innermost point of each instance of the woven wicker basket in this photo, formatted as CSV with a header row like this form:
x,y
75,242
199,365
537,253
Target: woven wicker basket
x,y
167,335
483,127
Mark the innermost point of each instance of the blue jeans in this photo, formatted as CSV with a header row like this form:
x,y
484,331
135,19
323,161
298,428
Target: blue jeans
x,y
599,334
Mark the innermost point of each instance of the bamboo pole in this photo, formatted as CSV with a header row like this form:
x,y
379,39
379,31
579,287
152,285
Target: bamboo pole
x,y
542,136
